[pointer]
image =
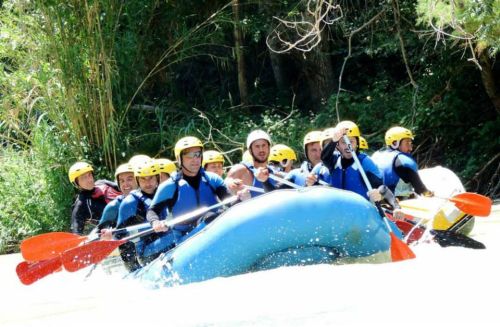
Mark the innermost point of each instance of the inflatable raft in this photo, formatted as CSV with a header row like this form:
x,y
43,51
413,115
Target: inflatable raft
x,y
280,228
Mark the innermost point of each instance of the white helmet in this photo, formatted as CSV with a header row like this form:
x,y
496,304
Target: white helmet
x,y
258,134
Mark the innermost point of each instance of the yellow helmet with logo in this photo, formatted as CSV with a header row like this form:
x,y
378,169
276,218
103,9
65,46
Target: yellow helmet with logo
x,y
166,166
394,135
363,143
212,156
145,169
186,143
124,168
352,128
281,152
78,169
247,157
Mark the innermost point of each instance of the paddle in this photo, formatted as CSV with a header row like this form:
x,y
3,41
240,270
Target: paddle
x,y
399,249
30,272
284,181
92,253
472,203
49,245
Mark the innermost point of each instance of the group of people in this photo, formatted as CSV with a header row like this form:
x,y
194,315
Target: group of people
x,y
156,190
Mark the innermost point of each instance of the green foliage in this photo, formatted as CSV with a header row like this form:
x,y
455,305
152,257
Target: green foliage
x,y
35,195
476,20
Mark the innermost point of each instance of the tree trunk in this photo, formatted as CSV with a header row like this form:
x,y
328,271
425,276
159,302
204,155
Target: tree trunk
x,y
238,50
488,77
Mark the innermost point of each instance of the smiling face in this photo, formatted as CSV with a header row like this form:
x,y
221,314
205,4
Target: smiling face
x,y
127,182
344,148
191,161
260,151
86,181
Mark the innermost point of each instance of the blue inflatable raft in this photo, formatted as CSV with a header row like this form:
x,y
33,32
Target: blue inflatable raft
x,y
280,228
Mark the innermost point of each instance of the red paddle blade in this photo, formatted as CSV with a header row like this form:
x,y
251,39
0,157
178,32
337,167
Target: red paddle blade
x,y
406,228
88,254
29,273
472,203
400,250
49,245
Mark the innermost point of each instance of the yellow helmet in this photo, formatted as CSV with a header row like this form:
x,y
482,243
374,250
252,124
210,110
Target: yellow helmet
x,y
327,134
138,159
78,169
353,129
145,169
166,166
396,134
363,144
212,156
124,168
186,143
247,157
280,152
312,137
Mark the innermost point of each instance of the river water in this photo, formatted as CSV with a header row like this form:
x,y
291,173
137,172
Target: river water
x,y
441,287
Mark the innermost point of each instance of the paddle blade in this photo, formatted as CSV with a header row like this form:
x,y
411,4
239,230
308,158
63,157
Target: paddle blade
x,y
49,245
400,250
473,204
407,227
29,273
88,254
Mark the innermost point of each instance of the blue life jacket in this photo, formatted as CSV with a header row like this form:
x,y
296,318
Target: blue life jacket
x,y
350,178
110,213
299,175
135,205
182,198
256,182
322,173
386,159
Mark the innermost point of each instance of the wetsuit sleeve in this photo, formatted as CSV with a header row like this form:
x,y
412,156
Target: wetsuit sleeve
x,y
109,216
409,175
328,156
79,215
163,198
128,210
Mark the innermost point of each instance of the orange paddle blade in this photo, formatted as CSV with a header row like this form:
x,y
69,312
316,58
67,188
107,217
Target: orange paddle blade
x,y
400,250
473,204
88,254
49,245
30,272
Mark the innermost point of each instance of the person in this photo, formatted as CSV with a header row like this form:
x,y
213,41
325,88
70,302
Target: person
x,y
133,210
166,167
124,176
191,188
396,162
282,157
213,161
251,173
344,173
92,197
312,151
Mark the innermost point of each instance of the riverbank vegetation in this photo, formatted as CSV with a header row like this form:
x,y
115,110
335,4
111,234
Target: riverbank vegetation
x,y
104,80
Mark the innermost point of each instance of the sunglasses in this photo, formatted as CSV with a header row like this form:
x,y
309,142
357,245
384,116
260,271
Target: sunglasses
x,y
194,154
